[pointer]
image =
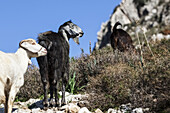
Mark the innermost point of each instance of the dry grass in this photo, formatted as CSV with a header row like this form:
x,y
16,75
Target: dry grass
x,y
113,78
126,81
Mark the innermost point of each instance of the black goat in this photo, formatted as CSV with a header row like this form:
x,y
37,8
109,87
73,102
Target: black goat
x,y
120,39
55,65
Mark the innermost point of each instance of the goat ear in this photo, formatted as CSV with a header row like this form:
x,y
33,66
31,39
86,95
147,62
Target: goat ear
x,y
70,21
30,46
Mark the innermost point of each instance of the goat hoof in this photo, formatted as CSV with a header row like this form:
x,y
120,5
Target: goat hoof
x,y
56,105
45,108
45,104
63,104
52,103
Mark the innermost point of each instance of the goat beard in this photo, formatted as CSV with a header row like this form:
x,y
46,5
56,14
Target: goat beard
x,y
76,40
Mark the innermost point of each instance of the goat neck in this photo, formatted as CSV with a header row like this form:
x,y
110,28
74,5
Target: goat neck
x,y
63,33
23,58
115,26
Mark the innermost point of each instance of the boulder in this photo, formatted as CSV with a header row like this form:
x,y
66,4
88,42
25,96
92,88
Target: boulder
x,y
84,110
98,111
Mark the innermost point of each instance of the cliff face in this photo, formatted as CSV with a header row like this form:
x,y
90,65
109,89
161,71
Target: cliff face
x,y
148,13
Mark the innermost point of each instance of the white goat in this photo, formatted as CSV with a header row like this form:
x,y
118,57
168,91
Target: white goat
x,y
12,69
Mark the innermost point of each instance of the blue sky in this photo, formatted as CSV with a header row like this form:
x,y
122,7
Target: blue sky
x,y
22,19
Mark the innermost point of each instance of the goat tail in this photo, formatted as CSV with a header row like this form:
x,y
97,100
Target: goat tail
x,y
44,41
7,90
115,26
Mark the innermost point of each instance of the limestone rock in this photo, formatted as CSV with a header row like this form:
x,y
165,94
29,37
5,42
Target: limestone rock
x,y
70,108
73,108
159,37
149,14
110,110
84,110
137,110
98,111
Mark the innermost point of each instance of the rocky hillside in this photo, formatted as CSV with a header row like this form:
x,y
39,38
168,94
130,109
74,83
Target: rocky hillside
x,y
108,81
136,13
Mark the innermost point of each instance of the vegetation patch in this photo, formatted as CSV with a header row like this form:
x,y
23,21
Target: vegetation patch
x,y
112,78
126,81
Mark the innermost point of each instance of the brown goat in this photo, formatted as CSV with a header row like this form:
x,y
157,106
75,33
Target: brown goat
x,y
120,39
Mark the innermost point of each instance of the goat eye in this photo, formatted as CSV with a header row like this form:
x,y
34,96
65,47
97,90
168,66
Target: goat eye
x,y
33,43
71,26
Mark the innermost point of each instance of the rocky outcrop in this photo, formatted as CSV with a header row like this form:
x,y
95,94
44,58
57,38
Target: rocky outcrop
x,y
74,105
147,13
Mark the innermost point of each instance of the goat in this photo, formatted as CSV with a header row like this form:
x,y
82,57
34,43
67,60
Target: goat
x,y
12,69
120,39
55,65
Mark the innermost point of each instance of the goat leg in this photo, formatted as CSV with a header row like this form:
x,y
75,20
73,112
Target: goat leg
x,y
45,101
56,95
63,101
10,99
52,83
